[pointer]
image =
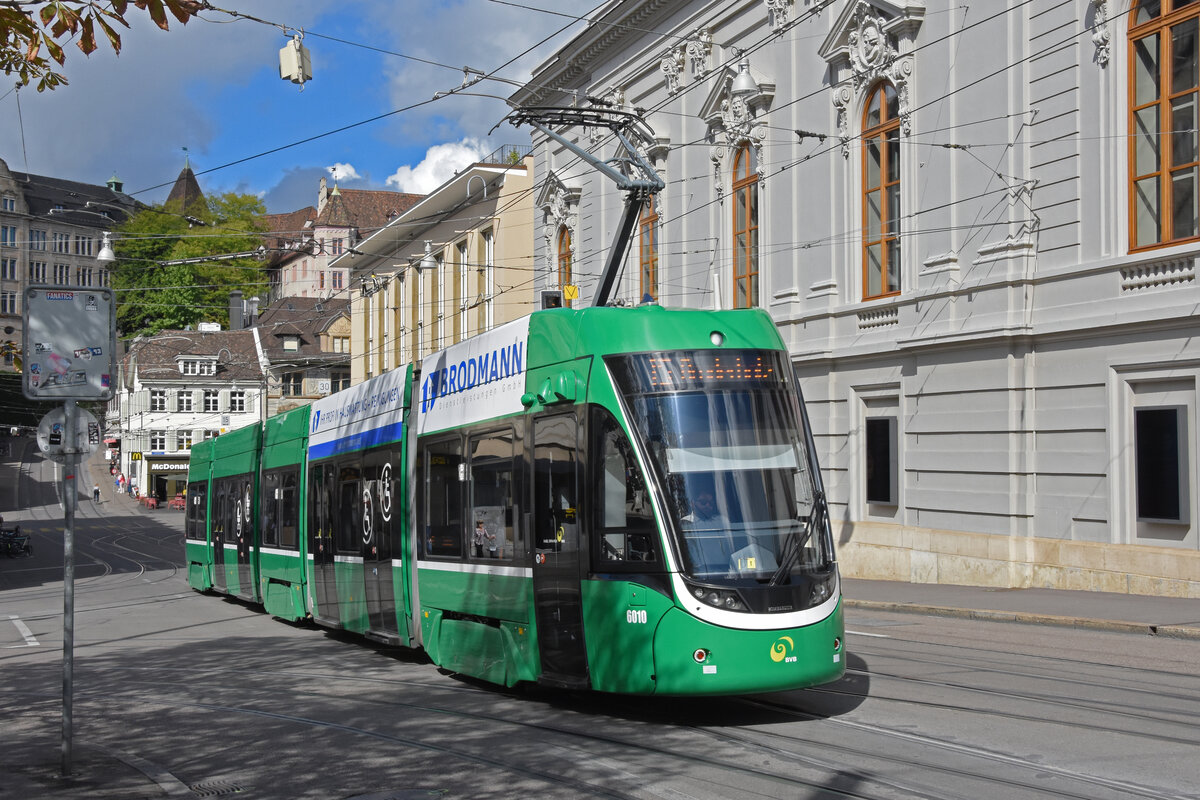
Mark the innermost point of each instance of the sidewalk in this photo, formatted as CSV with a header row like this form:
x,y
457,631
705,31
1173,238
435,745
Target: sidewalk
x,y
1125,613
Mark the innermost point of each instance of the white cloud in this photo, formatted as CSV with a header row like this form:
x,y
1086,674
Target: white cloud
x,y
343,172
440,164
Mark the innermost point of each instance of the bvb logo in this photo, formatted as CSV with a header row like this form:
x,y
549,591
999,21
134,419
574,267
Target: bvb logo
x,y
780,649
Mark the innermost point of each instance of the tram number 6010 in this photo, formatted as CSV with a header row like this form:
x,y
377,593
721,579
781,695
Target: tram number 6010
x,y
636,616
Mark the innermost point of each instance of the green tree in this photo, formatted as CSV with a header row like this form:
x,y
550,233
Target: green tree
x,y
155,292
31,32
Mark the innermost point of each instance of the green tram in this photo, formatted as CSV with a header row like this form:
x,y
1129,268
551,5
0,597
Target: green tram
x,y
618,499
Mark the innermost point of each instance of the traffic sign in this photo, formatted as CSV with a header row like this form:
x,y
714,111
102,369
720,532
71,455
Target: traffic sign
x,y
52,435
70,343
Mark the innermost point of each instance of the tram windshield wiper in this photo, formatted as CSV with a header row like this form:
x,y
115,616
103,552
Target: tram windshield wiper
x,y
797,539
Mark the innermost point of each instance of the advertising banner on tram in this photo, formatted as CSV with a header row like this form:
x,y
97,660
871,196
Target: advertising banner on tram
x,y
481,378
365,415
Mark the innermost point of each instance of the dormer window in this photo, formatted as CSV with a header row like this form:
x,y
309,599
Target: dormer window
x,y
291,343
197,367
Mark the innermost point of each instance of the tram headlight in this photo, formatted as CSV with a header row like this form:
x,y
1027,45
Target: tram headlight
x,y
719,598
821,591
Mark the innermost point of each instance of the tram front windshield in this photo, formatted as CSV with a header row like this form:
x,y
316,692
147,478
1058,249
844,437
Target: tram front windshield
x,y
725,438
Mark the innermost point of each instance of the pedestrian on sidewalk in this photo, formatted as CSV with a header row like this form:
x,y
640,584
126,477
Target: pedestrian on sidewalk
x,y
96,493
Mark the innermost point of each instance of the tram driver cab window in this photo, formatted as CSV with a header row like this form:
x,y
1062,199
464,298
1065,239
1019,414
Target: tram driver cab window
x,y
623,520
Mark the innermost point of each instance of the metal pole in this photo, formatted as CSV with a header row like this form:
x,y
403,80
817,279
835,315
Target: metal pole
x,y
72,461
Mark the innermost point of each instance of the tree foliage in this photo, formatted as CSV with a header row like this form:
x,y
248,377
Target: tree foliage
x,y
32,33
154,296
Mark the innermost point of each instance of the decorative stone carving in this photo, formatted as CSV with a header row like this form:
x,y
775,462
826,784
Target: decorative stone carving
x,y
560,206
1100,32
870,49
671,67
869,42
735,119
699,49
778,11
842,97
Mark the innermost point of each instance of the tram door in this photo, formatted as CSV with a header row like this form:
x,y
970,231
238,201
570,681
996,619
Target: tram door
x,y
556,563
379,492
320,540
244,527
219,521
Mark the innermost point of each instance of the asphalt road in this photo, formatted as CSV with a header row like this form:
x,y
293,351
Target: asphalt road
x,y
186,695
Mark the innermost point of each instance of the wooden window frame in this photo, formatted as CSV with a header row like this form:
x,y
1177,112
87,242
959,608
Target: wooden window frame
x,y
648,252
745,231
564,260
881,134
1165,217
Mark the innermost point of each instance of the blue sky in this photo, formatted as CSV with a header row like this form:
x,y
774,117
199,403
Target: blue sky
x,y
214,88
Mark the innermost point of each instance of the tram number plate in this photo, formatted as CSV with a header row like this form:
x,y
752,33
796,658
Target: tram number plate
x,y
636,616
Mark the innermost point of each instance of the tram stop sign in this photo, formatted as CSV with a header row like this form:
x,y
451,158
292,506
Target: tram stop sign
x,y
52,435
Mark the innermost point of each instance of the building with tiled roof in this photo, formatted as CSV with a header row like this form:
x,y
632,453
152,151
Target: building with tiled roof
x,y
306,342
180,387
306,241
51,230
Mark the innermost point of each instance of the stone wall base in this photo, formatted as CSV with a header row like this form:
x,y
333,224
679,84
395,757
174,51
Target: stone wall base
x,y
884,551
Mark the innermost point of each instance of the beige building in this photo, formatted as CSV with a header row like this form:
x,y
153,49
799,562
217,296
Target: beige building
x,y
457,263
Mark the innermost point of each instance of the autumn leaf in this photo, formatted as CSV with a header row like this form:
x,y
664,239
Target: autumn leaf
x,y
87,37
114,38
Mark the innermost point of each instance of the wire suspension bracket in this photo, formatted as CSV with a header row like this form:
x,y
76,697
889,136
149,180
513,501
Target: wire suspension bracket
x,y
638,180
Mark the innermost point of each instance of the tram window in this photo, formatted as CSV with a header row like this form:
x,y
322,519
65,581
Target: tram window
x,y
623,521
492,494
269,505
320,500
196,516
348,522
289,510
443,501
229,508
555,509
218,519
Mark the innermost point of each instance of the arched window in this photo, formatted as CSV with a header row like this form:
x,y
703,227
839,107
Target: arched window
x,y
1164,170
648,228
745,228
564,260
881,193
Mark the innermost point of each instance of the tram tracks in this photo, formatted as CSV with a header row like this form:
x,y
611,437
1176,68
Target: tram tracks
x,y
1041,700
923,759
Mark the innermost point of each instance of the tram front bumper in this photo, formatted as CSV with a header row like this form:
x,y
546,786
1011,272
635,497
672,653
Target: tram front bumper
x,y
693,657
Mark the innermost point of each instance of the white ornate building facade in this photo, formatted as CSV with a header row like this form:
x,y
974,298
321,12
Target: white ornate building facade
x,y
977,228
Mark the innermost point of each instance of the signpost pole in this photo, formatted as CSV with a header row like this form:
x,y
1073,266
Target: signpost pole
x,y
69,502
69,354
